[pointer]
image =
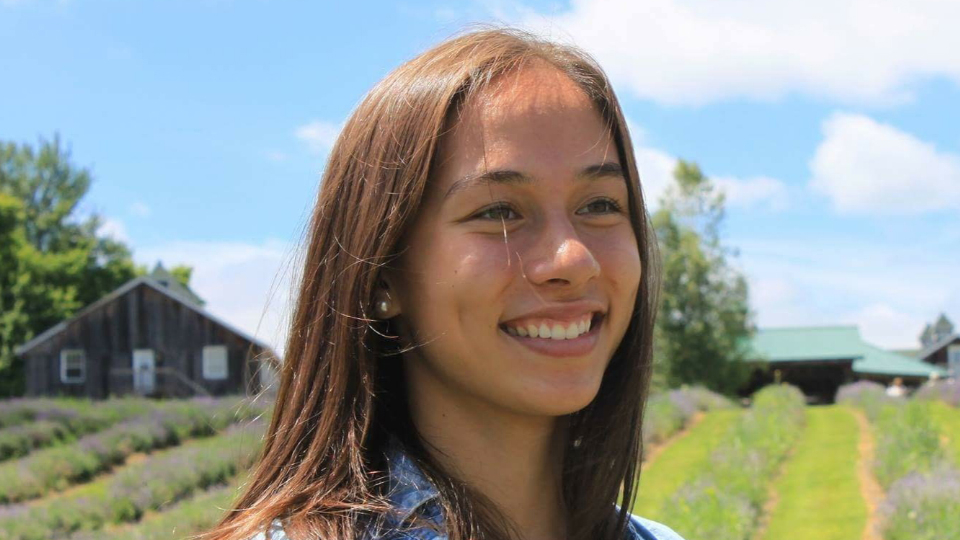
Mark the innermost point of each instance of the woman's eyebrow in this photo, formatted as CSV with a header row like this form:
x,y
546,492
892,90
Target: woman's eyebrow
x,y
508,176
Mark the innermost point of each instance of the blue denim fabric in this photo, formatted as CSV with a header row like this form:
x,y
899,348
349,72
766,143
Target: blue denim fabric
x,y
411,493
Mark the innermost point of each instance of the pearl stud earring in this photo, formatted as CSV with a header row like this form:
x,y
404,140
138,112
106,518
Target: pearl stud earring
x,y
383,306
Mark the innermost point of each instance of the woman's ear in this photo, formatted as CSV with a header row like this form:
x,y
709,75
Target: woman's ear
x,y
386,303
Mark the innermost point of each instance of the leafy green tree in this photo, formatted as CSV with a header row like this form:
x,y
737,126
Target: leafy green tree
x,y
53,263
704,313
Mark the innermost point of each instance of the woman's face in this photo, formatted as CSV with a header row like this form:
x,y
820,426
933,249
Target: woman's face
x,y
524,230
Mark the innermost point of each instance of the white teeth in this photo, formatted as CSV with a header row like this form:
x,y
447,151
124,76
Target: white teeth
x,y
589,321
558,332
545,331
555,331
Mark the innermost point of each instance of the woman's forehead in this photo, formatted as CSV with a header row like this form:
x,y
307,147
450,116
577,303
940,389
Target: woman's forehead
x,y
535,89
536,116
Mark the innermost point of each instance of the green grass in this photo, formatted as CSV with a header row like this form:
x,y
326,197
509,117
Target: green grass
x,y
819,492
947,420
672,467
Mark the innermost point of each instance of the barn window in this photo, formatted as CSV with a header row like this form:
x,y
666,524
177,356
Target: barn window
x,y
215,362
73,367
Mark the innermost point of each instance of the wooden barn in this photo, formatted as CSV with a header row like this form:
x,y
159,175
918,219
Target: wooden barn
x,y
152,337
941,346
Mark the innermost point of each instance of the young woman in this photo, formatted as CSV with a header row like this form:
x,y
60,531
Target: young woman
x,y
470,352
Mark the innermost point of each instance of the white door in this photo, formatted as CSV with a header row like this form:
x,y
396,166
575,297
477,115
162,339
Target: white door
x,y
144,374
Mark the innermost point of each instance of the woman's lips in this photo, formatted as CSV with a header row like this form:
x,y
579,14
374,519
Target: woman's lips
x,y
563,348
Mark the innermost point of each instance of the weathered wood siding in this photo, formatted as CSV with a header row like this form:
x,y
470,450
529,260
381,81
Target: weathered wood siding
x,y
142,318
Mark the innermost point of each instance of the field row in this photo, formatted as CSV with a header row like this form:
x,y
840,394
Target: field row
x,y
823,484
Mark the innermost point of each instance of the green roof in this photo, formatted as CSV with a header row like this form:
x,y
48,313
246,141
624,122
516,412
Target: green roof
x,y
881,362
806,343
825,343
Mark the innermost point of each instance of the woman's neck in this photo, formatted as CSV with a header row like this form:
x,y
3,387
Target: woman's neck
x,y
514,460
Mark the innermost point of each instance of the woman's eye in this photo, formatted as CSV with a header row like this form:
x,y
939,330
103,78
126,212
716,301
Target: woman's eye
x,y
604,206
498,212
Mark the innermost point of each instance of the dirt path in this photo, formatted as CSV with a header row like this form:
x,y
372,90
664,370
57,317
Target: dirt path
x,y
654,451
773,499
869,488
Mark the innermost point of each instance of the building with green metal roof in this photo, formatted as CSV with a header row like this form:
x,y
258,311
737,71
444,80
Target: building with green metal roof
x,y
818,359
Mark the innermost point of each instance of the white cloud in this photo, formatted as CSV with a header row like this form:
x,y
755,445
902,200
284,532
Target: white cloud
x,y
656,174
318,135
247,285
691,52
113,228
140,209
882,324
888,293
754,192
864,166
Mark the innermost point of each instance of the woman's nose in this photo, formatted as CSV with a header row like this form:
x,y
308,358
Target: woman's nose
x,y
560,256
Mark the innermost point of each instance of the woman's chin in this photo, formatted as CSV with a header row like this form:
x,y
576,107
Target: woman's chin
x,y
554,400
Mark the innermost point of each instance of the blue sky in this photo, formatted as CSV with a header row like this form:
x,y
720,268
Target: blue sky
x,y
834,127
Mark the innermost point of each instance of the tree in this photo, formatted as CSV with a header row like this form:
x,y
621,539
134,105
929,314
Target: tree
x,y
704,316
52,264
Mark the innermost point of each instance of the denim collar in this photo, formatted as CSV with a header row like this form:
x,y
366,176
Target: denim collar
x,y
411,492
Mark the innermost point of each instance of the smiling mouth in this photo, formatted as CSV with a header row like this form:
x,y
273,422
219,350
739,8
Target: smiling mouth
x,y
555,331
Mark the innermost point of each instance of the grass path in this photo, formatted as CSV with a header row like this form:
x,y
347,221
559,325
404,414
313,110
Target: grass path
x,y
870,489
947,420
653,452
819,488
662,476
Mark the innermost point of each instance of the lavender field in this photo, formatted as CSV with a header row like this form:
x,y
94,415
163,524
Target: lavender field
x,y
124,468
139,469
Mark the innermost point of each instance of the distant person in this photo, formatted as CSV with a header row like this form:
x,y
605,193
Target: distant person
x,y
471,344
896,389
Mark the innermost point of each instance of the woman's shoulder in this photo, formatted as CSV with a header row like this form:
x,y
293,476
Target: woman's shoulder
x,y
643,529
658,530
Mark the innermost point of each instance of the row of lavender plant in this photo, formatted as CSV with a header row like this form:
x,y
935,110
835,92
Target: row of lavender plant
x,y
922,486
153,484
66,410
947,391
51,421
186,518
725,499
56,468
669,412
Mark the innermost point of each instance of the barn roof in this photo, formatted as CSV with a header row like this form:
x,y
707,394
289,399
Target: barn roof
x,y
837,343
807,343
880,362
177,294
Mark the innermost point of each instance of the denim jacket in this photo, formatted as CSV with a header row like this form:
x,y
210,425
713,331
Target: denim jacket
x,y
411,493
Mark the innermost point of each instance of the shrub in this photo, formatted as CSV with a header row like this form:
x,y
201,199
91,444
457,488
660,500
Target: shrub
x,y
665,414
923,506
866,395
947,391
729,493
907,441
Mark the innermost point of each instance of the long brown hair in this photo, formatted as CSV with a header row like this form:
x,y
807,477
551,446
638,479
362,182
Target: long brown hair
x,y
340,399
